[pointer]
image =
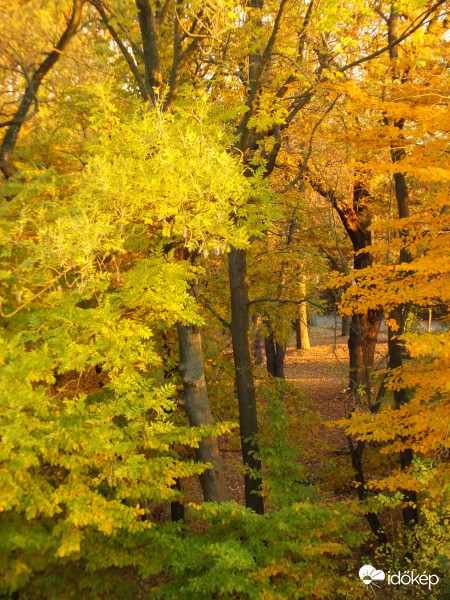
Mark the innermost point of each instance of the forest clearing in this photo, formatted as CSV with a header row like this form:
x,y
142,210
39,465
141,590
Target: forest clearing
x,y
224,299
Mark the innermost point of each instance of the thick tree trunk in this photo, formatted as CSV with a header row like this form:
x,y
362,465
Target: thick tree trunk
x,y
149,36
362,343
245,385
356,218
196,405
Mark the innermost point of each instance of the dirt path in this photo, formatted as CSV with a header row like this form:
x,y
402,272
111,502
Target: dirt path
x,y
322,372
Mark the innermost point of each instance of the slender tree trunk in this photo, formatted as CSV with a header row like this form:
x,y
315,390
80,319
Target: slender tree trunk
x,y
345,326
275,355
258,342
396,358
298,334
399,314
177,508
245,384
354,353
356,454
303,321
356,218
269,345
196,405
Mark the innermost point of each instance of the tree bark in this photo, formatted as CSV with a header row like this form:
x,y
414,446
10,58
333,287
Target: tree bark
x,y
196,405
362,343
245,384
149,35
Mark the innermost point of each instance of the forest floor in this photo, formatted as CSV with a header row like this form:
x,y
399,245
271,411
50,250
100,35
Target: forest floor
x,y
321,374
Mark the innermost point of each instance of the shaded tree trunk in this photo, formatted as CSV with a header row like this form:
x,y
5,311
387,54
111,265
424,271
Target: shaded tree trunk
x,y
149,36
362,341
177,508
356,454
345,326
364,328
196,405
396,359
245,384
258,342
275,355
396,349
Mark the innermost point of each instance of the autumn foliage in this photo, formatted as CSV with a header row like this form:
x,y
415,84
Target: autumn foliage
x,y
181,183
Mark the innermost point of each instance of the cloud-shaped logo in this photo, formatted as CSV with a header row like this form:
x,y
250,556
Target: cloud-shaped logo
x,y
369,574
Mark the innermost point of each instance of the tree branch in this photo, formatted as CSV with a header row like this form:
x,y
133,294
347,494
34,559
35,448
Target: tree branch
x,y
125,52
208,306
29,97
408,31
281,301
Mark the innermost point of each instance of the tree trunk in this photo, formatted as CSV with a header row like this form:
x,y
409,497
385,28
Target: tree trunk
x,y
303,321
275,354
269,345
396,358
196,405
345,326
355,217
356,454
401,312
149,36
245,384
362,343
177,508
258,342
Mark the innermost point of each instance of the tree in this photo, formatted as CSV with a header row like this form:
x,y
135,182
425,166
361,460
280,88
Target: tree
x,y
33,83
131,198
408,247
